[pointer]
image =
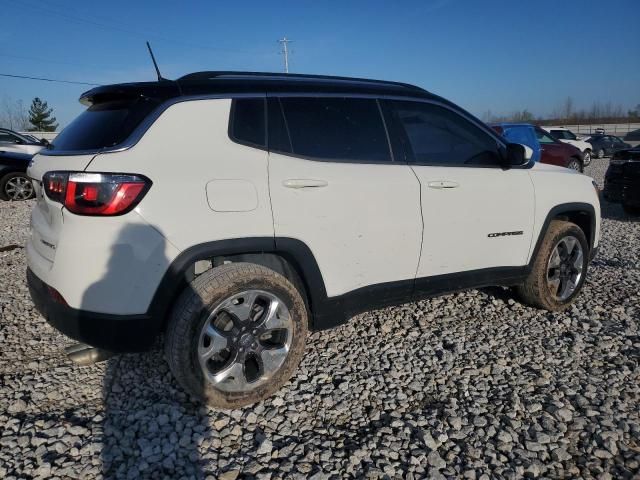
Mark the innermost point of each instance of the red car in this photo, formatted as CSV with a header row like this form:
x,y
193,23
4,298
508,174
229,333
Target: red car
x,y
546,149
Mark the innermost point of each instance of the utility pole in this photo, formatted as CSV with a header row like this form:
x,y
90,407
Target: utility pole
x,y
284,41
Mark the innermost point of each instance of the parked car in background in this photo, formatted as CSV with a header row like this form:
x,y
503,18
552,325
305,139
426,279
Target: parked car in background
x,y
622,180
633,136
606,145
546,149
599,131
14,182
567,136
11,141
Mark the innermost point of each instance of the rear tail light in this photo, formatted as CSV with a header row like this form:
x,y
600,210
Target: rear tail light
x,y
102,194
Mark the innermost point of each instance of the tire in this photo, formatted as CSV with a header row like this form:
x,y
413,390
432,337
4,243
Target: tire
x,y
586,157
215,299
537,291
631,210
16,186
600,153
575,164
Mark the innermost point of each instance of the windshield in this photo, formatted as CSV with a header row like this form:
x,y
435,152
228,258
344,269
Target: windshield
x,y
104,125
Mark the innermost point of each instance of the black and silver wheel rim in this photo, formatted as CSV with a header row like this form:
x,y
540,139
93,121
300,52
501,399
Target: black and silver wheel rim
x,y
564,270
18,188
574,165
245,341
600,153
587,158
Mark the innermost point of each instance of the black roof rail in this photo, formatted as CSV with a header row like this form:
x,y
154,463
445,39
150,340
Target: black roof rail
x,y
235,75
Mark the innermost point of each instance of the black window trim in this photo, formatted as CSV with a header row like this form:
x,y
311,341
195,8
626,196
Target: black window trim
x,y
500,143
390,161
151,118
266,124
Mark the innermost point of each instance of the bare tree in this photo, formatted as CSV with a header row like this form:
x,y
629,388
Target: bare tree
x,y
13,114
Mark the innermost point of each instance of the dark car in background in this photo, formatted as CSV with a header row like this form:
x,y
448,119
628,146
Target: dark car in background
x,y
606,145
546,149
622,180
14,182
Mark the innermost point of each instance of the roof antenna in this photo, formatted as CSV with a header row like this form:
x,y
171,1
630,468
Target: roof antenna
x,y
155,64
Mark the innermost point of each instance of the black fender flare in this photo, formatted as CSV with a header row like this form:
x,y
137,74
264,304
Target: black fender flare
x,y
566,208
294,251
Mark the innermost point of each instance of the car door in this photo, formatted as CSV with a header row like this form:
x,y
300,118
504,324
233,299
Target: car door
x,y
335,186
477,215
551,150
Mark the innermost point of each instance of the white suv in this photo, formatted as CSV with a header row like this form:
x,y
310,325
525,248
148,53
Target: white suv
x,y
234,212
567,136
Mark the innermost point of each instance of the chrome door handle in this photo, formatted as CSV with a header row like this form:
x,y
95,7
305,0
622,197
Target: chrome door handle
x,y
304,183
440,184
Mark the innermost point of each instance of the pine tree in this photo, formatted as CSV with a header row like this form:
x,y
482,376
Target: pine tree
x,y
40,117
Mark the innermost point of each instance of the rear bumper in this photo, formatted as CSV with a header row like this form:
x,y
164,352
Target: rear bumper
x,y
117,333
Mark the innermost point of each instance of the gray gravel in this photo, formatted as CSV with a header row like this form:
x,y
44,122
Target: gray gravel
x,y
471,385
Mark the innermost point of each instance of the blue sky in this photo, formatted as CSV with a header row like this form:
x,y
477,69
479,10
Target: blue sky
x,y
498,55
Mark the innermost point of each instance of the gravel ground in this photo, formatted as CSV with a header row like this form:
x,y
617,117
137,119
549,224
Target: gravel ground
x,y
470,385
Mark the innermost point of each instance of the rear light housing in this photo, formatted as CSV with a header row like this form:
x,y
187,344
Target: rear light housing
x,y
96,194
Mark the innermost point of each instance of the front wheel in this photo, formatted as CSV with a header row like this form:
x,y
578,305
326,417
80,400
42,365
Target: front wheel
x,y
16,186
600,153
586,158
574,164
559,268
236,335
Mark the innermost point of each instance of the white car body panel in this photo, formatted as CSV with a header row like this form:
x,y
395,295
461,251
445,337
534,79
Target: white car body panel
x,y
459,220
363,226
555,186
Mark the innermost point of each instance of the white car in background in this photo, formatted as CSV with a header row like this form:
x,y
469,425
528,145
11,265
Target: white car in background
x,y
567,136
11,141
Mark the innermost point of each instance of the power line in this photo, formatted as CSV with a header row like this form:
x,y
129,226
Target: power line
x,y
285,53
42,79
128,31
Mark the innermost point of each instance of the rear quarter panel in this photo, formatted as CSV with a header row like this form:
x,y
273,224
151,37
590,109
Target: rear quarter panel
x,y
205,186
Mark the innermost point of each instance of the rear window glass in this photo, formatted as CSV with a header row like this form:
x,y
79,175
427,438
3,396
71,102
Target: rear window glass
x,y
346,129
247,124
104,125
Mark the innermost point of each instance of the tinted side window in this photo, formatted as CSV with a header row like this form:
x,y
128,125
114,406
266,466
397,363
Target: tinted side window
x,y
7,138
543,137
336,129
247,124
438,136
279,140
104,125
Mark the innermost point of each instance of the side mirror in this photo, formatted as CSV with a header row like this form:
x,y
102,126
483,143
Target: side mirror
x,y
518,155
18,141
44,142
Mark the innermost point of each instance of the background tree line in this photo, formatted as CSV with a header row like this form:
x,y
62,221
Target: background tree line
x,y
568,114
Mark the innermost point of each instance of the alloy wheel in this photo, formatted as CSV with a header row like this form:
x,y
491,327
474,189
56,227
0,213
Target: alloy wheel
x,y
245,341
587,158
564,270
18,188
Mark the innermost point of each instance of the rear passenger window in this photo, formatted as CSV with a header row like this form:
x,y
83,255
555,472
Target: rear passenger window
x,y
439,136
247,124
334,129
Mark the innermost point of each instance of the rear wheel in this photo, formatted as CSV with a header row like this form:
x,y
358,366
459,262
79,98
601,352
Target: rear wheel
x,y
559,268
631,210
236,335
586,157
16,186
